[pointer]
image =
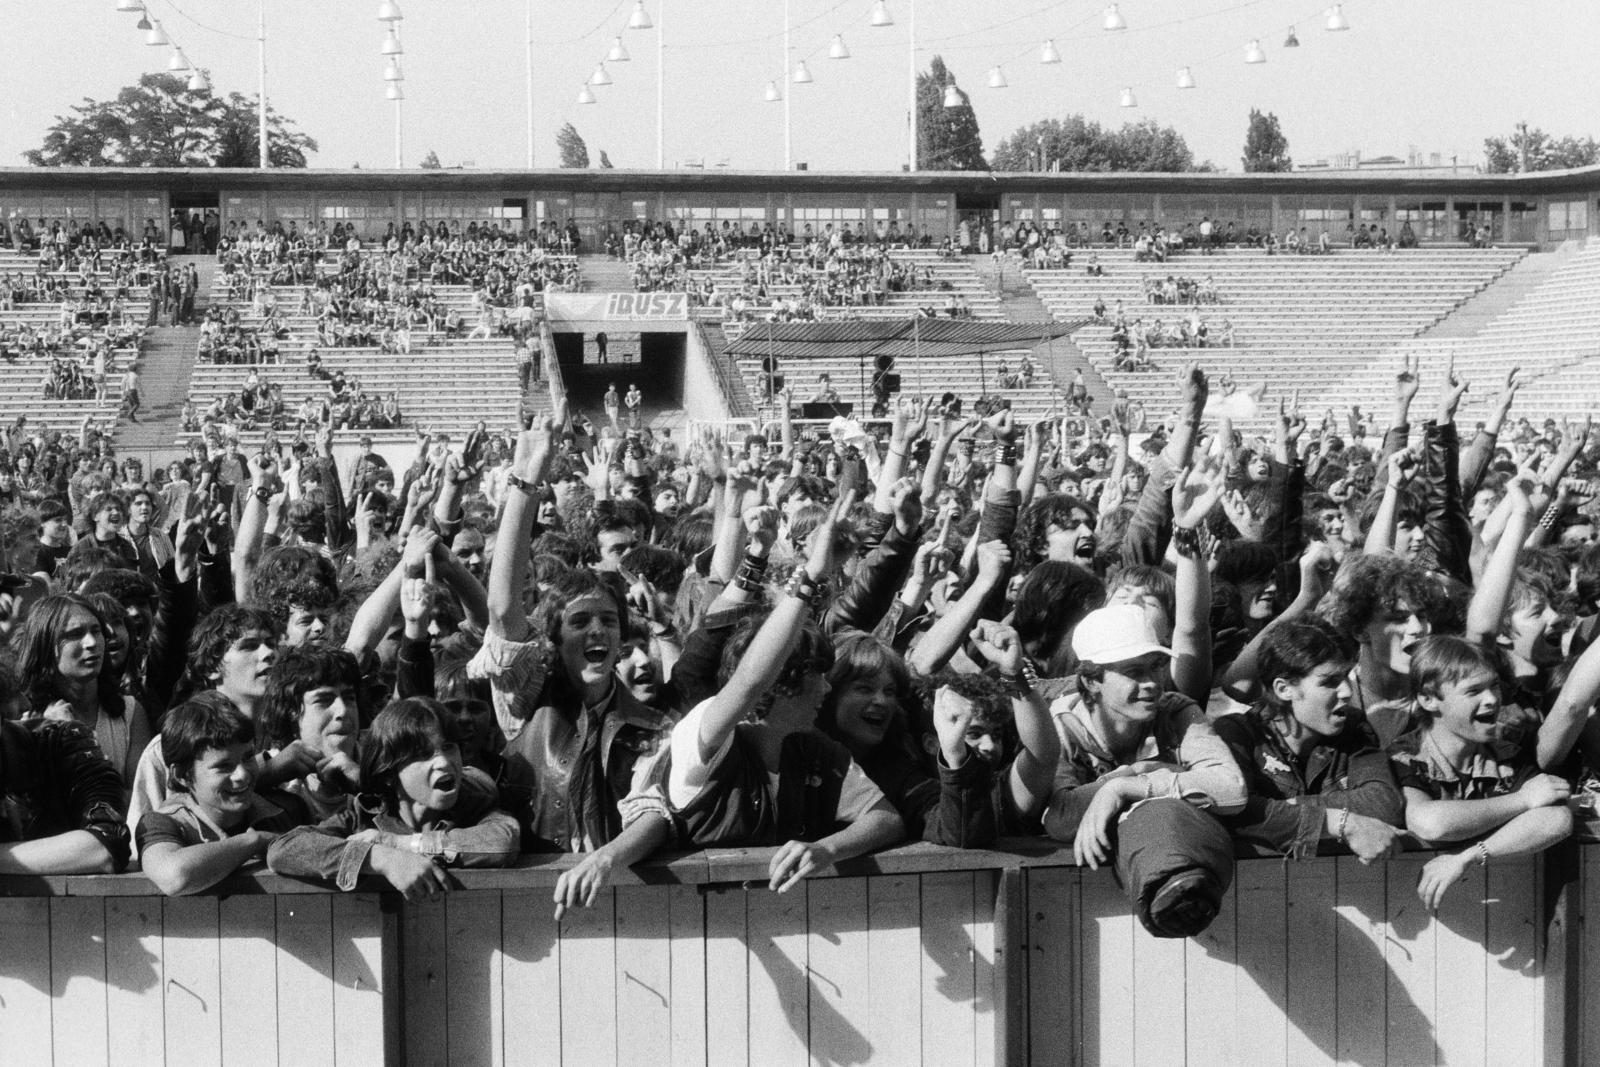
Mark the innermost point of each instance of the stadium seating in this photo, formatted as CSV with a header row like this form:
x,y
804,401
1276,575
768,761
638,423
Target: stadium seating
x,y
22,382
443,384
957,272
1300,322
1552,335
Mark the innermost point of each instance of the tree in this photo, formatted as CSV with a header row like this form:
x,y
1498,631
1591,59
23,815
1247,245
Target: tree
x,y
605,161
1533,149
1076,144
574,153
1265,146
947,137
431,161
161,122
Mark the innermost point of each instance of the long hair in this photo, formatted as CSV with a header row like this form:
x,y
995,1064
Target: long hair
x,y
39,654
856,656
404,732
294,674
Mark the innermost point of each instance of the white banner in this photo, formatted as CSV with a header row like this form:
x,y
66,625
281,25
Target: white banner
x,y
581,312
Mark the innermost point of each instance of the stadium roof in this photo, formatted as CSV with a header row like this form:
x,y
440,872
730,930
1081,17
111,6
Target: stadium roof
x,y
893,337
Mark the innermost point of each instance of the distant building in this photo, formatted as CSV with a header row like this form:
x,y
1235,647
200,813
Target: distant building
x,y
1414,163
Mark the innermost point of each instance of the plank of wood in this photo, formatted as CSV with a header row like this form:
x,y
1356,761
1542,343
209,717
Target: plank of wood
x,y
1159,1008
1589,957
425,978
78,980
192,985
589,982
727,979
1261,936
981,932
687,932
840,971
1460,1010
1362,978
1010,982
472,989
358,985
25,977
643,974
529,1029
1210,975
248,955
305,979
1409,952
1105,970
1313,1004
894,978
135,1011
1515,1031
1052,939
775,938
948,980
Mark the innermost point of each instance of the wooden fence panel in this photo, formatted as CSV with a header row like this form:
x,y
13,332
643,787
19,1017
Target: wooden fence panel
x,y
949,1032
305,979
1313,996
135,1011
894,976
530,980
840,971
192,981
77,980
643,975
589,983
25,978
248,956
779,999
472,987
687,945
1052,994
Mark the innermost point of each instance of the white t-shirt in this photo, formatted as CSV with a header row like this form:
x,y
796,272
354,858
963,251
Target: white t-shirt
x,y
688,773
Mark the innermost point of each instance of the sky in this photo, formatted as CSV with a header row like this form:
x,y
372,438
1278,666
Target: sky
x,y
1409,74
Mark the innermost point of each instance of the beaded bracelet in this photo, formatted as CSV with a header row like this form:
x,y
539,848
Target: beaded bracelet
x,y
1005,455
1483,854
1186,540
1344,818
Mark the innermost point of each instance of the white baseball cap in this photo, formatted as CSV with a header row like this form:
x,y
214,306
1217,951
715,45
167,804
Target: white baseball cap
x,y
1116,634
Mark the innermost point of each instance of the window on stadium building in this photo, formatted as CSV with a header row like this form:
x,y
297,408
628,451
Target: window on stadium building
x,y
1428,220
1522,222
933,219
1567,219
1471,216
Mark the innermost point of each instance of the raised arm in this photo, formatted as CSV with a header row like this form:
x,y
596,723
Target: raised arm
x,y
1194,494
508,572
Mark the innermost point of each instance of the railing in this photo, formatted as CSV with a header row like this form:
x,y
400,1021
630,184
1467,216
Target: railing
x,y
920,955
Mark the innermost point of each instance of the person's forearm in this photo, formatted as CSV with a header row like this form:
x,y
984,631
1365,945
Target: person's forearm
x,y
730,536
950,629
1437,821
758,669
933,473
468,591
1191,629
1381,537
73,852
372,618
508,572
192,868
1493,593
877,828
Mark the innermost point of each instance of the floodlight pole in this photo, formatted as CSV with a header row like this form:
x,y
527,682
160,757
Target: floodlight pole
x,y
788,94
911,153
661,86
529,42
261,95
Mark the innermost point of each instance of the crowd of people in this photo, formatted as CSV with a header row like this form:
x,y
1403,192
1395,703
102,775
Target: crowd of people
x,y
1163,652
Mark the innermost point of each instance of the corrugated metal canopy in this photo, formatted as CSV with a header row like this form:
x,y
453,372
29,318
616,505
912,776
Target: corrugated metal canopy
x,y
893,337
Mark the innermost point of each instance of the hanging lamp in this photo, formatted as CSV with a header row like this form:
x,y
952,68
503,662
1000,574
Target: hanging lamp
x,y
880,14
1254,54
1185,79
1127,98
1048,53
640,19
1114,19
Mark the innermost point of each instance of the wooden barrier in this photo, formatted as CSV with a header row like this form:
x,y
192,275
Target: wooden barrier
x,y
917,956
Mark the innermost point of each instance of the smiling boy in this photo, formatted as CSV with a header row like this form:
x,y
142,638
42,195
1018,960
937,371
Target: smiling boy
x,y
1459,784
214,822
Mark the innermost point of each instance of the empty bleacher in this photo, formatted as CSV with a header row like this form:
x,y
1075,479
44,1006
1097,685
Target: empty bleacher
x,y
1299,322
1551,335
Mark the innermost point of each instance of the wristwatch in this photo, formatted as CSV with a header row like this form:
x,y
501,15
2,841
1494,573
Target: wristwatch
x,y
519,483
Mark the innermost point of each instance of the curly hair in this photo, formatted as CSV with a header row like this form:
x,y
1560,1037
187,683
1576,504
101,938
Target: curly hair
x,y
280,565
1030,544
1371,587
813,653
